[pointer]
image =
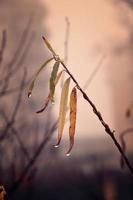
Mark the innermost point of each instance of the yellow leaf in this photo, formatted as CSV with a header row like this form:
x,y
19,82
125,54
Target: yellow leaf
x,y
73,111
63,108
58,77
37,73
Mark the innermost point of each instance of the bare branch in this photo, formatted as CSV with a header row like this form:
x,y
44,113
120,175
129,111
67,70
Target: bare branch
x,y
3,45
98,114
15,132
17,59
33,160
16,108
94,72
67,32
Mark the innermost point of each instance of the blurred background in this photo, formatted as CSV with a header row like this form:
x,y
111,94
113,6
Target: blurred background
x,y
95,39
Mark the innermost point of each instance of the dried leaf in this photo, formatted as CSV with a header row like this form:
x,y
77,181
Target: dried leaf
x,y
37,73
63,108
58,77
52,79
45,106
48,45
73,111
2,192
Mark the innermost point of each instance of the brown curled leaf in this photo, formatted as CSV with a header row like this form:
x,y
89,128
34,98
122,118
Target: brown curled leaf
x,y
31,86
45,106
73,111
63,108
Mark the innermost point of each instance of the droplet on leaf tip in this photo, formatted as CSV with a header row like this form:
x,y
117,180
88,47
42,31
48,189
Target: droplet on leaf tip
x,y
56,146
68,154
29,95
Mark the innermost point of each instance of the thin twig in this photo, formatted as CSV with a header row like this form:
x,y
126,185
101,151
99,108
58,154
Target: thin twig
x,y
16,108
24,54
94,72
3,45
17,56
32,160
67,33
15,89
66,39
16,134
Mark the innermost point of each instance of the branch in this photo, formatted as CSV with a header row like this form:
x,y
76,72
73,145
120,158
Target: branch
x,y
66,41
16,134
16,60
95,110
32,160
67,32
15,111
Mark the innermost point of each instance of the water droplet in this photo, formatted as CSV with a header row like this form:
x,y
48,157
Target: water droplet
x,y
68,154
29,95
56,146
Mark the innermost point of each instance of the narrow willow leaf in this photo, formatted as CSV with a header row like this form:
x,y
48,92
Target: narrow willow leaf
x,y
58,77
49,96
48,45
52,79
63,108
73,111
37,73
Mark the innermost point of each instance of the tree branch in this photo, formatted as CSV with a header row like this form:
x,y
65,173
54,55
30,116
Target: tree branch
x,y
95,110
